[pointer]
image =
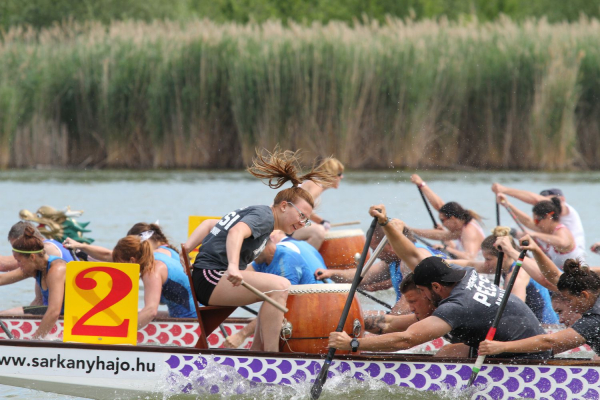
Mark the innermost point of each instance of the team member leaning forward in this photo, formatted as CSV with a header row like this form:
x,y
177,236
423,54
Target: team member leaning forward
x,y
49,272
465,306
580,287
240,236
462,225
397,258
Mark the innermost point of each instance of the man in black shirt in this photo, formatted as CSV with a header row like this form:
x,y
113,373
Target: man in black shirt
x,y
466,304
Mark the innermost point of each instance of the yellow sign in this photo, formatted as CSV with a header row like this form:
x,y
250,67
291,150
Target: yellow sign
x,y
193,222
101,302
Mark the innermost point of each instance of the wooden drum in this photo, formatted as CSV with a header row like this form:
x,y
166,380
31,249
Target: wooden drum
x,y
339,248
314,312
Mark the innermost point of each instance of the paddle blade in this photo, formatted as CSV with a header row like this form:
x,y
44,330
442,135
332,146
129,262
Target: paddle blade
x,y
476,369
317,387
474,374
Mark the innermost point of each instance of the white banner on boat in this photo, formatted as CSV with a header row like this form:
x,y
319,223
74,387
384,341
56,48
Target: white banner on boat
x,y
84,363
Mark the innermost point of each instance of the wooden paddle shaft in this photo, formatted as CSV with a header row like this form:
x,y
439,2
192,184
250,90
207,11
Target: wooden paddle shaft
x,y
375,254
345,224
264,297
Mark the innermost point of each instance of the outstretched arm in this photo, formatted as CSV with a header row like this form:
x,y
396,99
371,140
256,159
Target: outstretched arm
x,y
547,267
96,252
13,276
8,263
420,332
388,323
435,200
521,217
562,239
523,195
403,247
557,342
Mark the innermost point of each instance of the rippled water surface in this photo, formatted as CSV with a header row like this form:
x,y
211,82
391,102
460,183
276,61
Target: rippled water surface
x,y
115,200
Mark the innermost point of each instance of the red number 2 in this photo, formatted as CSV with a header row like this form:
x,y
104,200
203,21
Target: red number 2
x,y
121,287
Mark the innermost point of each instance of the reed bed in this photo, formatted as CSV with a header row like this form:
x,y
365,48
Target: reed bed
x,y
428,94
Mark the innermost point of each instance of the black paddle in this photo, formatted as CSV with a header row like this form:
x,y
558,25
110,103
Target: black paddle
x,y
497,214
499,266
375,299
6,330
492,332
315,391
428,208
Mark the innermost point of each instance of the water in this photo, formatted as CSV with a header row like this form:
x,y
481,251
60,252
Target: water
x,y
115,200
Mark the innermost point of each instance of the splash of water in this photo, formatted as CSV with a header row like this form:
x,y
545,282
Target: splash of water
x,y
217,381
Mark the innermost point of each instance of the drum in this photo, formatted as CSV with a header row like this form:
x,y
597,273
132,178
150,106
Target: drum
x,y
314,312
339,248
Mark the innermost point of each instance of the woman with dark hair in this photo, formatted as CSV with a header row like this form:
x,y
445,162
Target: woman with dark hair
x,y
462,225
49,272
240,236
164,279
581,289
559,241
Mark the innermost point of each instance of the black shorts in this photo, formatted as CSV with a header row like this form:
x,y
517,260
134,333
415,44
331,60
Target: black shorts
x,y
35,310
205,281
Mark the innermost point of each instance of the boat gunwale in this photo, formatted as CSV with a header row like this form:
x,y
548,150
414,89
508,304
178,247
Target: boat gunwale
x,y
364,357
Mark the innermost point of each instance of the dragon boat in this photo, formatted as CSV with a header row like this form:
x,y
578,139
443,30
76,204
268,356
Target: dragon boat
x,y
112,371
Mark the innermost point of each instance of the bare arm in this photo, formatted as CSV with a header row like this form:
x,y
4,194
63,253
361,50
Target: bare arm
x,y
520,215
557,342
562,239
38,300
478,265
97,252
56,288
435,200
8,263
547,267
378,272
471,239
520,287
436,234
13,276
420,332
200,233
387,323
523,195
152,290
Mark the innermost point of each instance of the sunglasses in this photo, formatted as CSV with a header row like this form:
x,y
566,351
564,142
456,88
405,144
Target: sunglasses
x,y
303,219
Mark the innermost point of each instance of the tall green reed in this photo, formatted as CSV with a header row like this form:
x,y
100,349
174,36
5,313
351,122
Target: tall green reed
x,y
405,94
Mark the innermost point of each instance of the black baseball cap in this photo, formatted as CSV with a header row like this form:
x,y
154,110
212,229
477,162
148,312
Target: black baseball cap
x,y
552,192
436,269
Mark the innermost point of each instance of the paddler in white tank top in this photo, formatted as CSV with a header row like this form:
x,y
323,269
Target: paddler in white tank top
x,y
558,242
462,225
569,217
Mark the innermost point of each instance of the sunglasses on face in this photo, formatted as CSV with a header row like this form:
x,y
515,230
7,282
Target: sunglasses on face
x,y
303,219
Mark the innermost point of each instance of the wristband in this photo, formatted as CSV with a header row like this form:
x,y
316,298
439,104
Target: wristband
x,y
385,223
421,185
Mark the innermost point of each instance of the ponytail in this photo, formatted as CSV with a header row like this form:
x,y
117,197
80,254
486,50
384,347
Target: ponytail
x,y
131,246
279,167
488,242
157,234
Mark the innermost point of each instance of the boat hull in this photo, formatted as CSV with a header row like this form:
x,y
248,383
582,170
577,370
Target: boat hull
x,y
106,370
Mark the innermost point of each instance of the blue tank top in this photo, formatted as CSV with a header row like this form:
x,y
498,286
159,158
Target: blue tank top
x,y
289,264
46,292
538,299
314,259
174,254
65,253
396,274
176,292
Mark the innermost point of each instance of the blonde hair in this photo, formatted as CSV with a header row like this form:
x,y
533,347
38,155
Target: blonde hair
x,y
332,166
280,167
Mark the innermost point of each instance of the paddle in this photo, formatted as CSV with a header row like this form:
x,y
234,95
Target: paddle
x,y
492,332
6,330
251,311
345,224
428,208
315,391
497,214
499,266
